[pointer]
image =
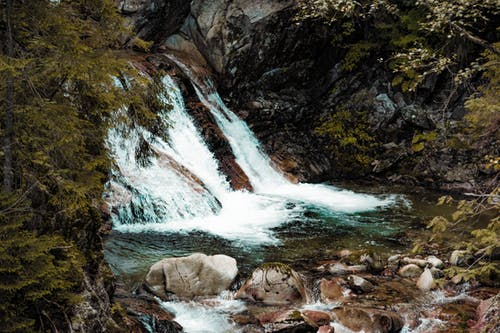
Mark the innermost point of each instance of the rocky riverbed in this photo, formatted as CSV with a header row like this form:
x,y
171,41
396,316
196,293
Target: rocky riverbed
x,y
354,291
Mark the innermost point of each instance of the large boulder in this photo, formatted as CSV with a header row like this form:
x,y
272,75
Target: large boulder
x,y
273,284
195,275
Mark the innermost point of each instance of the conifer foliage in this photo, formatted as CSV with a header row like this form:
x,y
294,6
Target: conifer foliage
x,y
57,96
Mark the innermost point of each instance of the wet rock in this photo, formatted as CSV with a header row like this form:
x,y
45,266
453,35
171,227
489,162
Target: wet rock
x,y
316,318
142,311
285,321
368,320
410,271
425,281
459,258
359,284
435,261
195,275
342,269
326,329
488,315
273,283
333,290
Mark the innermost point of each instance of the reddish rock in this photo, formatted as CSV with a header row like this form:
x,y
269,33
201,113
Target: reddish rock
x,y
326,329
219,145
316,318
333,290
488,316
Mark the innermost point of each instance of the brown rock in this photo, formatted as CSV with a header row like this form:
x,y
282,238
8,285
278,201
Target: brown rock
x,y
333,290
316,318
368,319
326,329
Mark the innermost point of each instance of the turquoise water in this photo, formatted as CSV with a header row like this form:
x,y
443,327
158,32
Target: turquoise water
x,y
318,235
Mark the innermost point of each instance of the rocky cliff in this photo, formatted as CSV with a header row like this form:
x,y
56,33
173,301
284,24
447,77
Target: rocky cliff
x,y
285,78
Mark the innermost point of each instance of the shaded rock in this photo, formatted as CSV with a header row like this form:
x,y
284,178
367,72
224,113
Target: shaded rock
x,y
437,273
273,283
410,271
417,116
385,110
368,320
425,281
333,290
359,284
195,275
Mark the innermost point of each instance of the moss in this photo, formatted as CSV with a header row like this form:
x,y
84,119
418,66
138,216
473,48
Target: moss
x,y
278,266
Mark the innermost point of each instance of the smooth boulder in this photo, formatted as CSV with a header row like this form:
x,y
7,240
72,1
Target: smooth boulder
x,y
195,275
273,284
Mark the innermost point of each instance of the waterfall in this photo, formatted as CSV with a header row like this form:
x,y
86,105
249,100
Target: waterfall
x,y
181,189
267,180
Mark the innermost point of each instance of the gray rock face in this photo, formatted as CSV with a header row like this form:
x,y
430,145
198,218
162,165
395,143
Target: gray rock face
x,y
274,284
195,275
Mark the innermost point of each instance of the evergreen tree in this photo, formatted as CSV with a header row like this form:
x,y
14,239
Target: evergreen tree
x,y
57,70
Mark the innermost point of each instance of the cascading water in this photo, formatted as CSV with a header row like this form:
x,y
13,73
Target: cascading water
x,y
266,180
182,188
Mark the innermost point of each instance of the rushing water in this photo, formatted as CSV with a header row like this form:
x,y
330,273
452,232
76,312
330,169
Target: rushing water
x,y
179,203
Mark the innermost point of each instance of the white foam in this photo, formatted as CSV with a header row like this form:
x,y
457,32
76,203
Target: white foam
x,y
166,199
211,318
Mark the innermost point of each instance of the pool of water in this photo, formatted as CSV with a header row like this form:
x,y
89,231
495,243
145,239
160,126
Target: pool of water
x,y
316,235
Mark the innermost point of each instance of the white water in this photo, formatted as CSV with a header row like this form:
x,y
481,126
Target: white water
x,y
266,180
212,316
183,190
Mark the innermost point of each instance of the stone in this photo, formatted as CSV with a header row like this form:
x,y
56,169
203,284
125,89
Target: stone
x,y
285,321
368,319
425,281
273,284
195,275
326,329
488,315
459,258
417,116
410,271
333,290
435,261
342,269
419,262
437,273
316,318
372,262
359,284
